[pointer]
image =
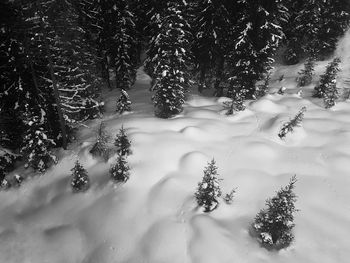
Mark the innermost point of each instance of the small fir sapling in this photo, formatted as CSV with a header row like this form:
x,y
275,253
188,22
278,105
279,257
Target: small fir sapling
x,y
328,80
237,102
80,181
100,147
120,170
208,191
5,184
228,198
122,143
281,91
17,180
123,103
274,224
306,74
295,122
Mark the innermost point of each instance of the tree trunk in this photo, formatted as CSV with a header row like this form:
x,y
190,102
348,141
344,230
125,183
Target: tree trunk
x,y
105,69
57,97
219,92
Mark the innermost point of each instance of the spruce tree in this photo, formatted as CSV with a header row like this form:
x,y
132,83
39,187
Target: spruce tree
x,y
171,60
100,147
208,191
258,33
290,125
16,87
123,103
7,159
122,143
305,75
80,181
120,170
236,103
212,25
117,38
274,224
36,145
315,26
73,63
126,49
328,80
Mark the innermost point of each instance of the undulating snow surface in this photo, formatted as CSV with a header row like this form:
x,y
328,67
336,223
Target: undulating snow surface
x,y
154,217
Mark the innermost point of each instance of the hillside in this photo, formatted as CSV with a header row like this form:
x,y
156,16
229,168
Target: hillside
x,y
154,218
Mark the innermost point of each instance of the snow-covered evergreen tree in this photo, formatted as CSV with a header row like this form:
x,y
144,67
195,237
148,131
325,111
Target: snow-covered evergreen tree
x,y
122,143
290,125
236,103
36,147
305,75
169,54
208,191
125,40
315,26
123,103
80,181
258,33
328,80
274,224
120,170
117,38
228,198
7,159
213,26
100,147
16,88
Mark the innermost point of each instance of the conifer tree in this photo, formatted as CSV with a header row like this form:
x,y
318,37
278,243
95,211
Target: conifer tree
x,y
258,33
262,89
236,103
328,80
274,224
73,63
315,26
80,181
120,170
212,25
305,75
16,88
100,147
36,144
118,40
290,125
39,60
126,46
228,198
170,56
208,191
7,159
123,103
122,143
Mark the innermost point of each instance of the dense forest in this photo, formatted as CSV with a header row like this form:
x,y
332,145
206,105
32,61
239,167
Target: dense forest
x,y
56,57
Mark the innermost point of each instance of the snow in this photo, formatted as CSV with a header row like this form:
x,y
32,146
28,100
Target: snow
x,y
153,217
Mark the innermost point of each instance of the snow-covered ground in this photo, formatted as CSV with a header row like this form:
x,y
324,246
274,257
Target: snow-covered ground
x,y
154,217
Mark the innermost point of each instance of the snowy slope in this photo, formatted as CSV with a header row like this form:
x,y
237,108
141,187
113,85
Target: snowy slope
x,y
154,218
